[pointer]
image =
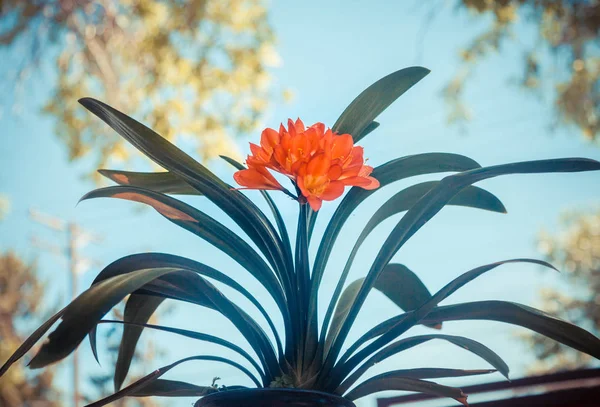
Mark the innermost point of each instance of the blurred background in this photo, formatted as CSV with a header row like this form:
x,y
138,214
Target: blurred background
x,y
511,80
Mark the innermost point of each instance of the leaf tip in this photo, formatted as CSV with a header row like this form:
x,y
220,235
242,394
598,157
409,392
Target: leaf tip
x,y
87,101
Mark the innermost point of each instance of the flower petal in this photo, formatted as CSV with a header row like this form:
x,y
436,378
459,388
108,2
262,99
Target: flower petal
x,y
342,146
334,190
256,178
269,138
363,182
318,165
314,202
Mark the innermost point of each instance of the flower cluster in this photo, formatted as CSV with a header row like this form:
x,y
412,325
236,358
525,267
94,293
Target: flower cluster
x,y
319,162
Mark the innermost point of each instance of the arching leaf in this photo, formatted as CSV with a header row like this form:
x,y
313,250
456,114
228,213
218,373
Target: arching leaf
x,y
399,346
193,335
237,206
391,381
31,341
138,310
164,182
429,206
154,260
139,385
416,316
82,314
375,99
387,173
204,226
172,388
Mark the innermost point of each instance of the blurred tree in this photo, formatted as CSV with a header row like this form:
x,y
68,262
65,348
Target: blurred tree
x,y
4,206
193,69
21,295
576,251
569,29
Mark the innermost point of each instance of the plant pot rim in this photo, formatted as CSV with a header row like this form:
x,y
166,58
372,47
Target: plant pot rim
x,y
273,397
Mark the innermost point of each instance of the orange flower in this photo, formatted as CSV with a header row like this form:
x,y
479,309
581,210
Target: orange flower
x,y
319,163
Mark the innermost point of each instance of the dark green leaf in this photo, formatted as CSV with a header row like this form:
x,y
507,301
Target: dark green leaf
x,y
154,260
399,346
194,335
409,290
429,206
163,182
402,286
283,233
237,206
203,226
370,127
387,173
375,99
138,310
416,316
172,388
30,341
81,315
309,339
341,311
436,373
522,315
390,381
139,385
188,285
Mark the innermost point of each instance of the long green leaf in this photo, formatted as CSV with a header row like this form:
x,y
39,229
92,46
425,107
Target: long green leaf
x,y
164,182
341,311
409,291
138,310
429,206
392,171
375,99
193,335
82,314
387,173
399,346
436,373
416,316
31,341
370,127
522,315
189,286
398,283
276,214
204,226
154,260
140,384
237,206
279,222
391,381
172,388
402,287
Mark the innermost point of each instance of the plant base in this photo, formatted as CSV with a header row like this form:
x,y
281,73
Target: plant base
x,y
273,398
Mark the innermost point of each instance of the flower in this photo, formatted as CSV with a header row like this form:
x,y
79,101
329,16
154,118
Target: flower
x,y
319,162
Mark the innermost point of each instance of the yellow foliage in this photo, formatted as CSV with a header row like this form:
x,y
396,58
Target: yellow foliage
x,y
569,27
196,68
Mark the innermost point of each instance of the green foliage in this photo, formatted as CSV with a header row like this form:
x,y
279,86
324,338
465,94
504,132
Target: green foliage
x,y
196,71
310,356
570,30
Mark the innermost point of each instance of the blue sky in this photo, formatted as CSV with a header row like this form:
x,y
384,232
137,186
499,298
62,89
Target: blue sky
x,y
331,51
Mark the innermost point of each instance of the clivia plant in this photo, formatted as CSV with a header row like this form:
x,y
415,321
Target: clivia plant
x,y
309,363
